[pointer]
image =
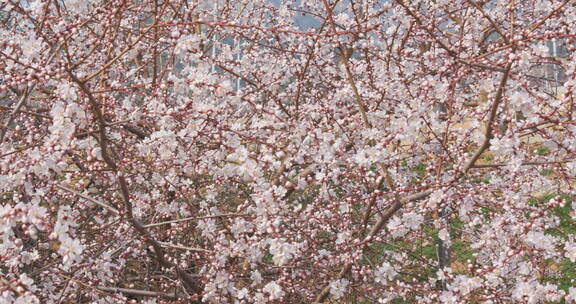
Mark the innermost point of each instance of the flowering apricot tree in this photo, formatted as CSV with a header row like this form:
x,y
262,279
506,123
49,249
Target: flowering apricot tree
x,y
258,151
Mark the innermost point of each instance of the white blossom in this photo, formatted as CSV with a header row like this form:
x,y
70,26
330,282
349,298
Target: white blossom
x,y
384,273
570,248
338,288
282,252
70,249
274,290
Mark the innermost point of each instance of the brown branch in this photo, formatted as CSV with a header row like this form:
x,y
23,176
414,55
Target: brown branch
x,y
195,218
533,163
345,57
136,131
371,204
186,278
530,28
19,150
165,244
384,218
35,114
119,56
137,292
15,110
482,66
488,134
304,69
110,208
256,86
538,23
23,99
425,28
494,24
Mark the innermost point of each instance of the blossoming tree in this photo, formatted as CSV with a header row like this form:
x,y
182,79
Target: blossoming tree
x,y
173,151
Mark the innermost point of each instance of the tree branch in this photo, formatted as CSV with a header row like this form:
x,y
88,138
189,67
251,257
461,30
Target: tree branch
x,y
488,133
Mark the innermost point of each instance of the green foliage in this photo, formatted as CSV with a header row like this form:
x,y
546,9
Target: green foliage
x,y
461,251
542,150
267,258
420,169
565,276
431,232
484,180
424,247
568,270
567,224
430,251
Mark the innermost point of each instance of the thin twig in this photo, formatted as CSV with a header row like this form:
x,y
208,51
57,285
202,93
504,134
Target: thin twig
x,y
382,220
345,57
193,218
165,244
128,48
26,112
14,111
110,208
23,99
137,292
533,163
492,22
186,278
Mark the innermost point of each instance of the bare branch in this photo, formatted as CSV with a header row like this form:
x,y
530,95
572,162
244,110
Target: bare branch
x,y
109,208
137,292
195,218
